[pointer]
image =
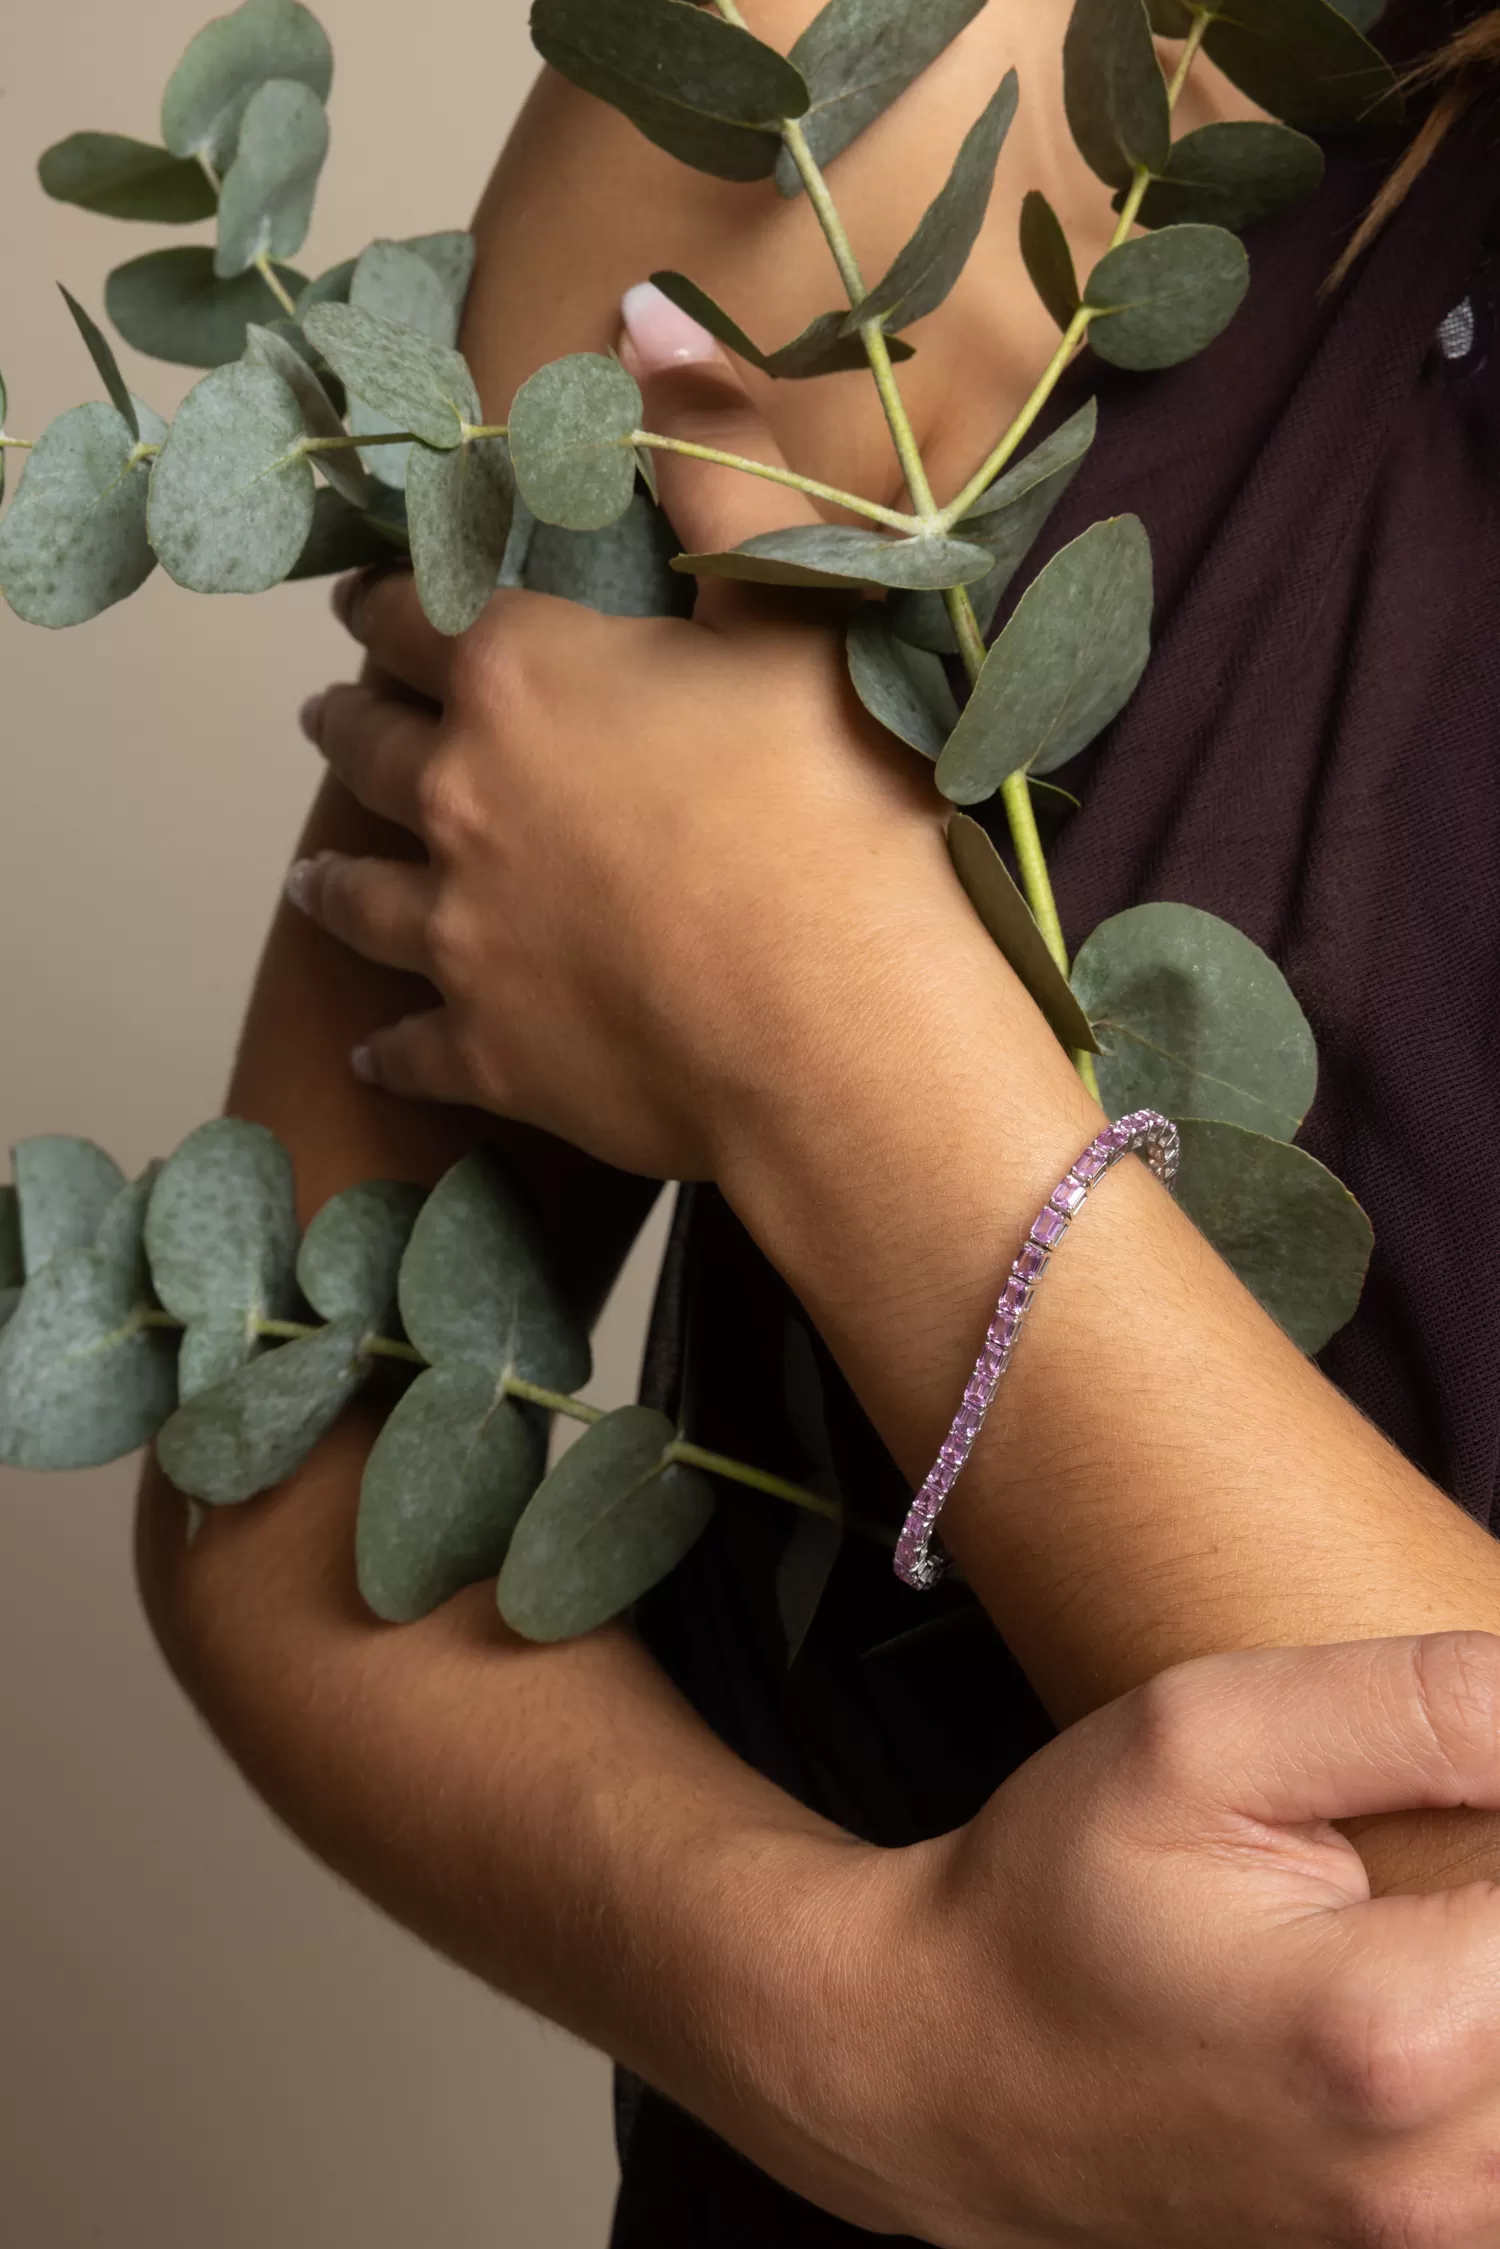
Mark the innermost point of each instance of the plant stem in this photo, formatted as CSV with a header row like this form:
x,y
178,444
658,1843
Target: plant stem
x,y
347,444
776,1487
807,484
277,287
22,444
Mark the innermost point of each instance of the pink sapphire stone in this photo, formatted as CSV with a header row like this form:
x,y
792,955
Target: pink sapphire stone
x,y
1049,1228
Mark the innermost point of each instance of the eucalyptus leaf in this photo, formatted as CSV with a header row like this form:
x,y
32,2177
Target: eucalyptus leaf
x,y
344,538
443,1490
231,500
350,1261
63,1188
221,1232
1170,19
266,200
1067,662
823,348
1306,63
1164,296
249,1433
904,688
570,432
1010,922
625,570
424,385
211,88
1113,90
830,554
927,269
1292,1232
1194,1020
450,253
73,541
10,1304
813,1546
82,1379
458,508
12,1261
1006,520
707,92
857,58
421,284
172,305
122,178
344,469
330,287
214,1348
121,1232
614,1517
475,1287
1048,259
1233,175
108,367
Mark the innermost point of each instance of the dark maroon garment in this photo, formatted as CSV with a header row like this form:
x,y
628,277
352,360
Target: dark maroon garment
x,y
1314,755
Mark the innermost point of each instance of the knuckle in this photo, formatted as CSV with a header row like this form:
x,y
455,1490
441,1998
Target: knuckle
x,y
1455,1679
1169,1743
449,944
1380,2065
447,802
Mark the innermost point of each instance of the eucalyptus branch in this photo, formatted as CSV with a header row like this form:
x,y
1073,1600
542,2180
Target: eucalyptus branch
x,y
276,285
22,444
892,517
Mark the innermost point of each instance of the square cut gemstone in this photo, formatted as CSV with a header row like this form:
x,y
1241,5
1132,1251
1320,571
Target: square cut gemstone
x,y
1017,1293
1118,1135
1089,1166
1069,1196
1049,1228
1032,1261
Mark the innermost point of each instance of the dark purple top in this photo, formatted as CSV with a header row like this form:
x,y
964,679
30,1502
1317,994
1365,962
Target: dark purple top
x,y
1312,755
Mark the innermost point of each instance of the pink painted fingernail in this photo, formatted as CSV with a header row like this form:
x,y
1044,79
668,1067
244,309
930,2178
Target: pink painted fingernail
x,y
299,884
663,336
362,1063
311,712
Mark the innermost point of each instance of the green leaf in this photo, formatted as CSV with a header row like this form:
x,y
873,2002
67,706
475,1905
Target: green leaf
x,y
1010,922
172,305
342,538
904,688
625,570
613,1519
121,1234
1067,662
707,92
1113,90
210,90
221,1234
350,1261
1292,1232
82,1380
330,288
858,57
252,1431
570,432
1048,259
821,349
74,540
1165,296
450,254
1306,63
266,200
1232,175
420,284
424,385
105,362
475,1286
927,269
1170,19
232,490
12,1262
63,1188
122,178
458,508
1006,520
443,1490
1194,1020
344,469
813,1545
828,554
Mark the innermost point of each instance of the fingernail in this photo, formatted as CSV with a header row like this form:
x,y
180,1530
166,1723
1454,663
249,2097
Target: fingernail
x,y
310,713
662,335
362,1063
299,884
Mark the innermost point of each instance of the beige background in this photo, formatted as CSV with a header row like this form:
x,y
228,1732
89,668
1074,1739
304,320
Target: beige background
x,y
203,2038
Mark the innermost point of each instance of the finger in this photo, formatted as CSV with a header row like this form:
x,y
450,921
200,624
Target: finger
x,y
691,391
379,908
377,745
380,608
1296,1735
418,1059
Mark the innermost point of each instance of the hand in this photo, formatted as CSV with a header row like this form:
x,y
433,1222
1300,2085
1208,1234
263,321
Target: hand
x,y
664,857
1144,2001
